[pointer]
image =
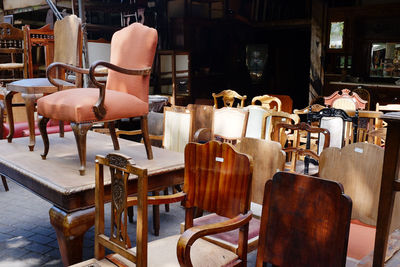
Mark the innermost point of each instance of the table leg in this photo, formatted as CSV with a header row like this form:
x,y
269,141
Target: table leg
x,y
8,101
70,229
30,114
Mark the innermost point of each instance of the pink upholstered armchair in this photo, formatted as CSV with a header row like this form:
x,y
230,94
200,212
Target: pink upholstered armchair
x,y
125,94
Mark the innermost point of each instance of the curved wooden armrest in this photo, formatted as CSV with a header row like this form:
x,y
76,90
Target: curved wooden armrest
x,y
98,108
62,66
202,134
192,234
302,152
158,200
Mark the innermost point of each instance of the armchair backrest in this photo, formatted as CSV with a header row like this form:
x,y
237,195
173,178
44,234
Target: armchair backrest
x,y
177,128
228,98
68,41
272,118
217,179
255,121
120,168
346,100
133,47
295,208
229,124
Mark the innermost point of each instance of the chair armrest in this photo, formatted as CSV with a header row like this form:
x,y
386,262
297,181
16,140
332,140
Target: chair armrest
x,y
158,200
59,65
202,135
192,234
98,108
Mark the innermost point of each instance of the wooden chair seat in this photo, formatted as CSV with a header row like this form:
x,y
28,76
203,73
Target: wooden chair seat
x,y
231,238
162,252
11,66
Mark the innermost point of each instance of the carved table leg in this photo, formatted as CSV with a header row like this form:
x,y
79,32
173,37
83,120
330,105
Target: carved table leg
x,y
70,228
8,100
30,114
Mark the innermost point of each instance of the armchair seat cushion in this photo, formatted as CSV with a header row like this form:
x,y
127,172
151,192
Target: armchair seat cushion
x,y
76,105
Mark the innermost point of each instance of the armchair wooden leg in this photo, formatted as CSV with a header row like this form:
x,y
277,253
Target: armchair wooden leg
x,y
61,126
80,131
111,127
146,139
3,178
156,216
43,132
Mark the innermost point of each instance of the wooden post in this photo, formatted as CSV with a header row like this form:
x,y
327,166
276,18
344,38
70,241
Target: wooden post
x,y
389,186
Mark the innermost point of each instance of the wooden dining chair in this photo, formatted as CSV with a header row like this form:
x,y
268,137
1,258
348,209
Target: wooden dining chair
x,y
299,148
228,98
358,167
229,124
38,38
12,49
305,222
124,96
346,100
222,168
268,158
266,101
272,118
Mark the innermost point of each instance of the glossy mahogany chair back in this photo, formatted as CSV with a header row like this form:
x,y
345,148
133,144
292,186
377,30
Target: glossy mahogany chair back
x,y
217,179
121,167
123,50
305,222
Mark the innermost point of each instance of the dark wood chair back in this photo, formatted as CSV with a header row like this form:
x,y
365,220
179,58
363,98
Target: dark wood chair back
x,y
294,211
42,37
217,179
121,167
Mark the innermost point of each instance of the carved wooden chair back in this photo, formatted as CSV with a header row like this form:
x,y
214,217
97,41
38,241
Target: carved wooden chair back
x,y
229,124
178,128
42,37
365,95
303,202
121,168
266,101
342,127
345,100
359,168
296,149
255,121
287,103
12,47
311,108
272,118
228,98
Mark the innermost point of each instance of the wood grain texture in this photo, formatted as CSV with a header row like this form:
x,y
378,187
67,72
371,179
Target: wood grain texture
x,y
268,158
217,178
359,168
305,222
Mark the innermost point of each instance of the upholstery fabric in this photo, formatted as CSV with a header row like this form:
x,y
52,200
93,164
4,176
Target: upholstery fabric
x,y
176,130
128,53
76,105
229,123
255,121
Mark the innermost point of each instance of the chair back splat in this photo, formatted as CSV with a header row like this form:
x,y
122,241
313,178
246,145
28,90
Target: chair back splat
x,y
118,241
305,222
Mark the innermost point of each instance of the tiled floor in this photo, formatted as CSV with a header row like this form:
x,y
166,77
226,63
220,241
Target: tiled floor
x,y
28,239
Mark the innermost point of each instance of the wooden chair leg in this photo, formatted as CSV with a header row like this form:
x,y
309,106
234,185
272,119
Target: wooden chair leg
x,y
43,132
156,216
146,138
3,178
61,127
80,132
166,193
111,127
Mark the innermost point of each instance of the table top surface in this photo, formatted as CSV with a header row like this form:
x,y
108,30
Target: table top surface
x,y
57,178
37,86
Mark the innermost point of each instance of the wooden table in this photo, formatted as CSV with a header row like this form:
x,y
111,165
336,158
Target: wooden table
x,y
30,90
56,180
